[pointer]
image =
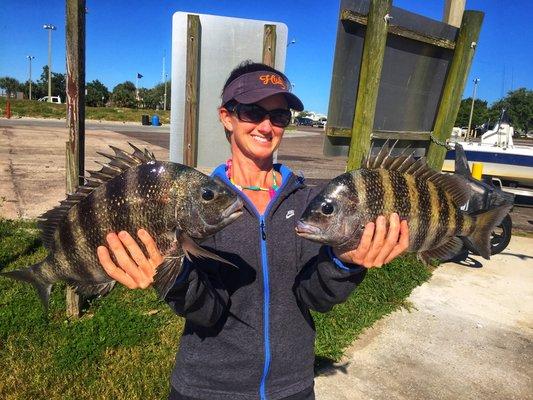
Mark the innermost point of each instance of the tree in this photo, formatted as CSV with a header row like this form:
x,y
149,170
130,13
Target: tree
x,y
10,85
303,113
124,95
519,107
154,98
59,85
479,117
97,94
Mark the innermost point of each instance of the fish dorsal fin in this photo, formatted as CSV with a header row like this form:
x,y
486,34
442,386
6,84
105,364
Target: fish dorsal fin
x,y
405,163
117,164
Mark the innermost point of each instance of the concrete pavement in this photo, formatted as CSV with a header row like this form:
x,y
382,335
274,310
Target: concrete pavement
x,y
468,335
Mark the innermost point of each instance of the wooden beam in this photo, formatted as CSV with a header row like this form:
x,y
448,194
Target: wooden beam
x,y
369,78
380,134
192,91
75,147
269,45
454,86
453,12
361,19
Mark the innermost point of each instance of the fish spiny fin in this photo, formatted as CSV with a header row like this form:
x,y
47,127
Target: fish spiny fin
x,y
455,185
166,274
117,164
445,251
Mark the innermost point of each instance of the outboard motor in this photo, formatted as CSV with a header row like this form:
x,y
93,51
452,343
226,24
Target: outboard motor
x,y
484,197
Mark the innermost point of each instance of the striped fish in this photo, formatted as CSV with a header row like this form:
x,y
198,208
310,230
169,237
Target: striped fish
x,y
429,200
176,204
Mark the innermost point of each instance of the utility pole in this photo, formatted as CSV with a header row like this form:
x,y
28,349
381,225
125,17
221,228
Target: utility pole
x,y
50,28
472,108
165,95
29,59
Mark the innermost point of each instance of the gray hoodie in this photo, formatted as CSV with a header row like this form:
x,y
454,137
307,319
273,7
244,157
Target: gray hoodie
x,y
248,332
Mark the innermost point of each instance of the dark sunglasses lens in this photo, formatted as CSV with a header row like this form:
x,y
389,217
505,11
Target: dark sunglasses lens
x,y
251,113
281,118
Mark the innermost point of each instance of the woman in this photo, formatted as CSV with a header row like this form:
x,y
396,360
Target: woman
x,y
249,333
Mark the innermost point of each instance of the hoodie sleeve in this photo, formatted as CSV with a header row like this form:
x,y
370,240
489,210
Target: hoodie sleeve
x,y
198,294
325,281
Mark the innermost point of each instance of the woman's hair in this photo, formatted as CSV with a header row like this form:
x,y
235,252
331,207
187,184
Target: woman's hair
x,y
241,69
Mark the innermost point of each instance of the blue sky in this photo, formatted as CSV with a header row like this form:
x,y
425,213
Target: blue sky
x,y
126,37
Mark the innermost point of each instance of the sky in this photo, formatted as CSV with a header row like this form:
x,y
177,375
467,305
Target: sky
x,y
124,38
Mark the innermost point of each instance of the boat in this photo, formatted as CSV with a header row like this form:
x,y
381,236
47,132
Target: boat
x,y
505,161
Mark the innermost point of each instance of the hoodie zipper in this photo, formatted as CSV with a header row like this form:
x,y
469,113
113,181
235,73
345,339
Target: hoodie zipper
x,y
266,283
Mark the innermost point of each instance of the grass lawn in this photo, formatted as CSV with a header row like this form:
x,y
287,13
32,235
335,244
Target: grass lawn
x,y
124,345
41,109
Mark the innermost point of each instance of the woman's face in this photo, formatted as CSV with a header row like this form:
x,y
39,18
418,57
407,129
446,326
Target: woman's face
x,y
256,141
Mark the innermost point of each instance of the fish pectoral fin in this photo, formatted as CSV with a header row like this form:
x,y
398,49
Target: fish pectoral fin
x,y
166,274
444,252
89,290
190,247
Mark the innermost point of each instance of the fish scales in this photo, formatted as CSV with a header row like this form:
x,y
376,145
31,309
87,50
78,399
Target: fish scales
x,y
374,192
402,200
432,238
430,202
174,203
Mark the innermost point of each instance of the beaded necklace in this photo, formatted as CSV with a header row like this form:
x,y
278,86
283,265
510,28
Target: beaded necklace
x,y
271,191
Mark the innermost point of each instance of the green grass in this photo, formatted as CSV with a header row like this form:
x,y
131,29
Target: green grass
x,y
124,345
41,109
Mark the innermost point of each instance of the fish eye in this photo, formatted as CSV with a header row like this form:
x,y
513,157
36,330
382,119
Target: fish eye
x,y
326,208
207,194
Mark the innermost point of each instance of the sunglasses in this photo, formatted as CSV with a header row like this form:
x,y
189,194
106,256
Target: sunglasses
x,y
255,114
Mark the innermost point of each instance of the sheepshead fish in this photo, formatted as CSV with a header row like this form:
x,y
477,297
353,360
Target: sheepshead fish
x,y
429,200
176,204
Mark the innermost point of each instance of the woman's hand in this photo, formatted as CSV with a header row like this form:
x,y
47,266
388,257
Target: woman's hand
x,y
134,270
378,245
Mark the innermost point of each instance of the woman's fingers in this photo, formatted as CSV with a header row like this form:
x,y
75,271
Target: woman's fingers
x,y
154,254
391,240
112,270
403,243
122,256
377,242
133,248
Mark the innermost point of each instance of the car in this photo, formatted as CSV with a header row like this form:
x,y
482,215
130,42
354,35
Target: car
x,y
320,123
303,121
55,99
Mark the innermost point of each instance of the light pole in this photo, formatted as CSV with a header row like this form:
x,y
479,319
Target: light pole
x,y
476,81
29,59
50,28
165,95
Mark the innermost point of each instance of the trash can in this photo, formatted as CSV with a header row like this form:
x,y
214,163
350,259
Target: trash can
x,y
145,119
155,120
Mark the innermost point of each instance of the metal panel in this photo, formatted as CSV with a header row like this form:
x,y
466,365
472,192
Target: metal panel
x,y
412,78
225,43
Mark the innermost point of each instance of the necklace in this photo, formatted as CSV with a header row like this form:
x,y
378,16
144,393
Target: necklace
x,y
271,191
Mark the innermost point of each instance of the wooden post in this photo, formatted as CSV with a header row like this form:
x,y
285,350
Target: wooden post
x,y
75,147
192,82
369,78
453,12
269,45
454,86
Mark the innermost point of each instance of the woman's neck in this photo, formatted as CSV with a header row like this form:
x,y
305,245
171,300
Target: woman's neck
x,y
247,172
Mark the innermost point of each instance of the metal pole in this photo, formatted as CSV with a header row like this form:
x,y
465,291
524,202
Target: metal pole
x,y
49,65
472,108
30,58
50,28
165,96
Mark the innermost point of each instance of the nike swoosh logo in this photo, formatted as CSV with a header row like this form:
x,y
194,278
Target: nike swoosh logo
x,y
290,213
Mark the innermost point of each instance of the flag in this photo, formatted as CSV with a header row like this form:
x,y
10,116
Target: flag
x,y
139,76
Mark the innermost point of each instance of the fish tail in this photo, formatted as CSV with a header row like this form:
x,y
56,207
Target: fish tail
x,y
34,276
484,223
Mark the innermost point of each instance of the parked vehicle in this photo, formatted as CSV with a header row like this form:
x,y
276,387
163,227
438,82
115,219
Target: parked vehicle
x,y
55,99
303,121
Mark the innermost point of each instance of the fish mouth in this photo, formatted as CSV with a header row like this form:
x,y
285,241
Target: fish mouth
x,y
308,231
234,211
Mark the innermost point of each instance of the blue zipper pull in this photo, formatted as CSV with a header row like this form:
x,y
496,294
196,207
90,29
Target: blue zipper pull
x,y
263,234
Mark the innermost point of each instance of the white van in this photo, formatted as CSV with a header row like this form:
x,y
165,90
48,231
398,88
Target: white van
x,y
55,99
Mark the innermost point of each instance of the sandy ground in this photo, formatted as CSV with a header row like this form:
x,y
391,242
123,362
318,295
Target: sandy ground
x,y
468,336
